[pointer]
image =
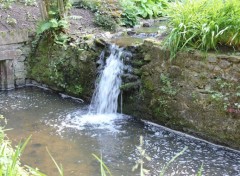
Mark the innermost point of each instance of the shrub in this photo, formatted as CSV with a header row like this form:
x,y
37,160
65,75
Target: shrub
x,y
203,24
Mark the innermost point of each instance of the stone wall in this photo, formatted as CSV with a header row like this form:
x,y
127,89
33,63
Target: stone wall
x,y
197,93
13,53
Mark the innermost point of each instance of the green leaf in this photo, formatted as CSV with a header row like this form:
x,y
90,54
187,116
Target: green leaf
x,y
44,27
54,23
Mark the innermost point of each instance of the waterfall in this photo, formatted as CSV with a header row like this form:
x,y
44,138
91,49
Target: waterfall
x,y
105,97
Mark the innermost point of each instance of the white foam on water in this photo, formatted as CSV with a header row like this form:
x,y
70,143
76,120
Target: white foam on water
x,y
91,121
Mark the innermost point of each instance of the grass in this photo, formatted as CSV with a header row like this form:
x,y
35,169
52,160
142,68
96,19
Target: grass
x,y
203,25
10,158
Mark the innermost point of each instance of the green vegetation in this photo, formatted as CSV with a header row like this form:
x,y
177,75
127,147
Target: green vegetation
x,y
55,20
203,24
10,158
131,9
109,14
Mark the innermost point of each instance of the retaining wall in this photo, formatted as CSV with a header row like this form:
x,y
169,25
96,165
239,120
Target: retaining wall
x,y
14,50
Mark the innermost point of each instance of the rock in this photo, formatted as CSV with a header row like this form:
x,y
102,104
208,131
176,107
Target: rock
x,y
224,64
131,33
175,71
129,78
146,24
234,59
212,59
100,42
131,85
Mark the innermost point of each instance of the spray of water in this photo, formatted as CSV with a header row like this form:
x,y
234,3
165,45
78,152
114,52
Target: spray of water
x,y
105,98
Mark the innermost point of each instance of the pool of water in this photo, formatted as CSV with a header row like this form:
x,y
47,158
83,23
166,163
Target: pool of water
x,y
64,126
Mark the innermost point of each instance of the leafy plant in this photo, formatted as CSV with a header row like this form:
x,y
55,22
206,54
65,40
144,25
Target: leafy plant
x,y
203,24
129,13
55,20
151,8
141,8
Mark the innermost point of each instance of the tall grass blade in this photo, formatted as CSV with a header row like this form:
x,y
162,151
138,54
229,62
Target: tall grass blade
x,y
200,171
12,169
59,168
173,159
102,166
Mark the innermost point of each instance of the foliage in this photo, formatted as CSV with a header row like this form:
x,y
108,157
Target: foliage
x,y
141,8
203,24
129,13
55,20
124,12
107,12
105,21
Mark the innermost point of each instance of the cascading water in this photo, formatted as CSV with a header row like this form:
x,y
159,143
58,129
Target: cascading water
x,y
105,98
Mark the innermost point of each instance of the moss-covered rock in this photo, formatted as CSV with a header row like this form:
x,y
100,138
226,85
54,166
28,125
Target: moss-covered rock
x,y
71,69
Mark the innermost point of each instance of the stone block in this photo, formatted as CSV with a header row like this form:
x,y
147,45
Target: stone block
x,y
7,55
14,36
19,67
20,74
20,82
212,59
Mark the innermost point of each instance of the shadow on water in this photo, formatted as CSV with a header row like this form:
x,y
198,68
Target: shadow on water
x,y
72,135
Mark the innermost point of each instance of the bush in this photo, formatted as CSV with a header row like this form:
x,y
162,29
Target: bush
x,y
105,21
203,24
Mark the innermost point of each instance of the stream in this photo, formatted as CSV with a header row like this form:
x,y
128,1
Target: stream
x,y
61,125
73,131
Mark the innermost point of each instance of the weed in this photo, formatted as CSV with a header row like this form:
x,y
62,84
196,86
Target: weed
x,y
143,156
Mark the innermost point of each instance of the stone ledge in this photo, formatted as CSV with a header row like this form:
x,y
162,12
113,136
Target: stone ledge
x,y
13,37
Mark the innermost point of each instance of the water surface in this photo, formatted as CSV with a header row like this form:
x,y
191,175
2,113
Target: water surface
x,y
72,135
